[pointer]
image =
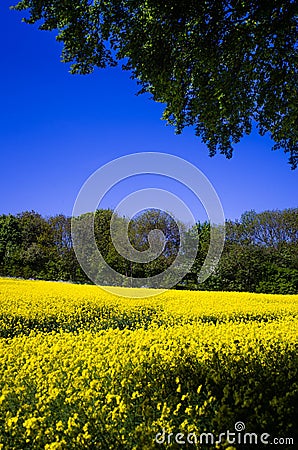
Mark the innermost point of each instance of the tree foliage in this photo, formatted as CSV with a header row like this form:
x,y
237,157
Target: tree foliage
x,y
260,253
218,66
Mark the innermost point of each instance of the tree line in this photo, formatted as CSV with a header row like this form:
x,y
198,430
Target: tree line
x,y
260,252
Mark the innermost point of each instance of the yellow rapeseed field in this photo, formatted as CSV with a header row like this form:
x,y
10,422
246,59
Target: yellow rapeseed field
x,y
84,369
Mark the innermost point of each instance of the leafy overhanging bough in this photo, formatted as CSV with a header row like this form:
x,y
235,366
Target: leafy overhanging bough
x,y
218,66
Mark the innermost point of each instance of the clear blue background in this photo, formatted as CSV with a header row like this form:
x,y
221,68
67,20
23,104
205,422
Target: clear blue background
x,y
56,129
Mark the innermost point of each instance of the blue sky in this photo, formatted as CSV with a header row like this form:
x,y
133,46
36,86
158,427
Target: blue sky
x,y
56,129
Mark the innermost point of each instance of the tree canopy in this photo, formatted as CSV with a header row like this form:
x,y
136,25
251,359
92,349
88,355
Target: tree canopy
x,y
260,252
218,66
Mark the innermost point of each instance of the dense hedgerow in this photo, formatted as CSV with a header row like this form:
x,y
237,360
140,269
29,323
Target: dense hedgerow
x,y
82,369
